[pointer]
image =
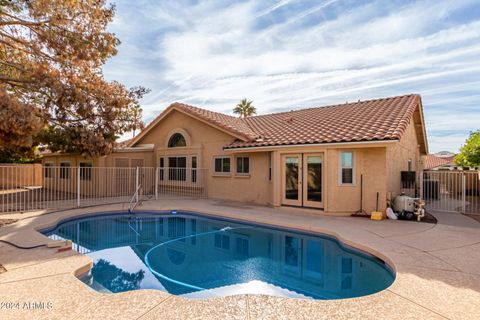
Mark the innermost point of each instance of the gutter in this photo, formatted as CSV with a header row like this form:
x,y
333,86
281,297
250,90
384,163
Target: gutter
x,y
133,149
324,144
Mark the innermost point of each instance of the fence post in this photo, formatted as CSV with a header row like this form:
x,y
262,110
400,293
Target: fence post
x,y
78,187
136,185
463,193
156,182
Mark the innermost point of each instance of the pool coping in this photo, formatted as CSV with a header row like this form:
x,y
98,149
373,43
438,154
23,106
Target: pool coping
x,y
341,229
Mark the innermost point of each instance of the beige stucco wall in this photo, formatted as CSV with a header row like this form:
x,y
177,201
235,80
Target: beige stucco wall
x,y
380,164
339,199
206,142
137,158
397,159
104,182
369,163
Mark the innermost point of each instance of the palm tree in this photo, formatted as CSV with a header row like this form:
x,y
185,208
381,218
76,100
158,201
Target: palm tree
x,y
245,109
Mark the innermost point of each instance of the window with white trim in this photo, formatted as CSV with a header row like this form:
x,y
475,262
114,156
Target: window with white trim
x,y
346,167
86,171
270,166
65,170
177,140
222,165
162,168
194,169
48,170
177,168
243,165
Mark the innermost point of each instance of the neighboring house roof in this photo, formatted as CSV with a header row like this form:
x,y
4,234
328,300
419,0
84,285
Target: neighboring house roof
x,y
123,144
371,120
432,161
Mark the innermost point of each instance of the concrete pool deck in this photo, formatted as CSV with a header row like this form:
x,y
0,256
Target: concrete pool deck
x,y
437,271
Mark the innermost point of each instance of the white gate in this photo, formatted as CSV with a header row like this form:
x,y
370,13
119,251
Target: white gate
x,y
452,191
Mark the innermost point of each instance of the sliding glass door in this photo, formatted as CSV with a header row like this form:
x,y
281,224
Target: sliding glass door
x,y
302,180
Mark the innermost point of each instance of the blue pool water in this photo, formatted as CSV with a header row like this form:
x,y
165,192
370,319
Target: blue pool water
x,y
198,257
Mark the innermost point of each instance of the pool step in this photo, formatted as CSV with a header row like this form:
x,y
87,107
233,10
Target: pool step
x,y
252,287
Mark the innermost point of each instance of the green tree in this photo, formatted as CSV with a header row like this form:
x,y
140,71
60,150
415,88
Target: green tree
x,y
245,109
470,152
52,90
115,279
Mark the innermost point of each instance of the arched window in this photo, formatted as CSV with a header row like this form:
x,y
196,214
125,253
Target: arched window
x,y
177,140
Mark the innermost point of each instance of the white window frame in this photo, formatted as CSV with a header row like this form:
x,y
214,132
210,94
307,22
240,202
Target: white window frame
x,y
270,169
51,168
340,166
244,174
67,169
91,170
221,173
161,169
193,172
167,162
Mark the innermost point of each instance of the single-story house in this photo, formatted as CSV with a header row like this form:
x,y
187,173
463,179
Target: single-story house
x,y
444,160
436,162
338,158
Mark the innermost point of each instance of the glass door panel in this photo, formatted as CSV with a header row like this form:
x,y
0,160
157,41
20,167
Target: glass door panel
x,y
313,180
292,180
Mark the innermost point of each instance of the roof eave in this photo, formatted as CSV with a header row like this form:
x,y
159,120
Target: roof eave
x,y
377,143
172,107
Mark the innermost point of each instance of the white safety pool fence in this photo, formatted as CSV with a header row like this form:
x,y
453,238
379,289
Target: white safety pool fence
x,y
35,187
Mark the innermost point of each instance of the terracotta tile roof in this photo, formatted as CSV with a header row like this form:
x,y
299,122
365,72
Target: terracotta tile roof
x,y
432,161
123,144
380,119
229,123
371,120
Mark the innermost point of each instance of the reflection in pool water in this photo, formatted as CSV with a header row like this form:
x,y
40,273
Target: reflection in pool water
x,y
199,257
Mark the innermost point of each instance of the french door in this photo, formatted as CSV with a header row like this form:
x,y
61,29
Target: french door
x,y
302,180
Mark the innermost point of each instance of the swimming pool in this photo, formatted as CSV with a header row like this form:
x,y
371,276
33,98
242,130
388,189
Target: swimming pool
x,y
195,256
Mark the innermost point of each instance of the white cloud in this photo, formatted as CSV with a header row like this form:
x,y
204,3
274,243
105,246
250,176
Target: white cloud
x,y
213,54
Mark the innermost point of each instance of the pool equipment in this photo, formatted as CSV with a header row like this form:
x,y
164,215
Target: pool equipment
x,y
390,214
419,209
408,208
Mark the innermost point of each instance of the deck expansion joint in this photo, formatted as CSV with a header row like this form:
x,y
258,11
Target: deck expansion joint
x,y
35,278
416,303
155,306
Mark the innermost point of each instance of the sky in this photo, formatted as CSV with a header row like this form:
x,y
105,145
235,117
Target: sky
x,y
287,54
